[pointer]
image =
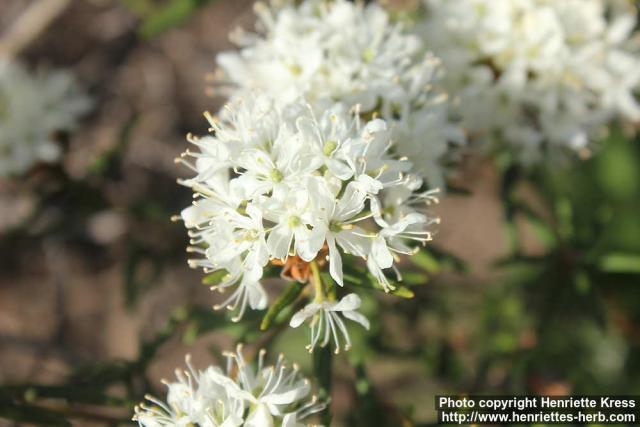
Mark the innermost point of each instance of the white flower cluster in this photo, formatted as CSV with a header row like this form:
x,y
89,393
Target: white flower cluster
x,y
342,51
239,396
32,108
541,75
275,183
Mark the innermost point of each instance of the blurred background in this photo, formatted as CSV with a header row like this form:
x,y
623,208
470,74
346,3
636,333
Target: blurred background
x,y
531,286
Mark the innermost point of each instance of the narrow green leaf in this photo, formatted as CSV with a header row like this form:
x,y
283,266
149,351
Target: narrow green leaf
x,y
360,277
582,282
564,214
412,278
284,300
402,292
174,13
426,261
620,263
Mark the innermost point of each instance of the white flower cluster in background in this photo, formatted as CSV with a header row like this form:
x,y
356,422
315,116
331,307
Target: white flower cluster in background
x,y
537,74
342,51
275,182
241,395
32,108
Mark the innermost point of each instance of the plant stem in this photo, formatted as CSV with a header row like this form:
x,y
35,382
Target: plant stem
x,y
323,356
317,282
322,369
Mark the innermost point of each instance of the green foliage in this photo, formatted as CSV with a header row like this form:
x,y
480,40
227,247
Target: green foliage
x,y
287,298
575,290
159,16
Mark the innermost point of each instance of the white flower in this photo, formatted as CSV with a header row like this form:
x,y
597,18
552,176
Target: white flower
x,y
292,215
239,396
335,223
326,320
274,182
32,108
540,75
347,52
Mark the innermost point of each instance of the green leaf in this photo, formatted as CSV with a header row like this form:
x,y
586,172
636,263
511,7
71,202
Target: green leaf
x,y
540,228
370,282
425,261
284,300
564,214
360,277
174,13
402,292
159,16
617,168
620,263
543,232
412,278
435,260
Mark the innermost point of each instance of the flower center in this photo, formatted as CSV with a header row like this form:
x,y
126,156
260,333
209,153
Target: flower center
x,y
335,226
368,54
250,235
276,175
294,221
329,147
295,69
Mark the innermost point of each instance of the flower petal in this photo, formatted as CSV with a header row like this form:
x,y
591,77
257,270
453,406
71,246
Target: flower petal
x,y
279,241
302,315
335,261
357,317
260,417
348,303
288,396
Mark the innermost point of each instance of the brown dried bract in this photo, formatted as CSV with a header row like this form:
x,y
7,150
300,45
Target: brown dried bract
x,y
295,268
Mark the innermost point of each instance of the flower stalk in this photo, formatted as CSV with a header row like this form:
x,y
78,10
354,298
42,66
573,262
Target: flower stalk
x,y
317,282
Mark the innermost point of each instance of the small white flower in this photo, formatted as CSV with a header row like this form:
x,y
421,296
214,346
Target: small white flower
x,y
32,108
329,140
238,396
326,321
292,214
335,223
